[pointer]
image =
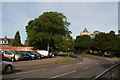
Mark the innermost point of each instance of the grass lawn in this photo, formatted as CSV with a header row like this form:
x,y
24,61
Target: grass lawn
x,y
63,60
68,53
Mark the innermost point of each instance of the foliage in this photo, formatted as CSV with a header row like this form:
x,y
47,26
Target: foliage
x,y
82,43
107,42
17,39
48,31
102,42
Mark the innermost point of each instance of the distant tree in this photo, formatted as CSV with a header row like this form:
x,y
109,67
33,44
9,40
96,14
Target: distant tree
x,y
68,44
17,39
47,31
107,42
82,43
96,32
119,33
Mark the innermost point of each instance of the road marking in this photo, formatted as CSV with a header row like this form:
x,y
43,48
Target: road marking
x,y
79,63
87,58
18,79
65,66
85,67
63,74
84,58
44,69
31,71
96,63
84,61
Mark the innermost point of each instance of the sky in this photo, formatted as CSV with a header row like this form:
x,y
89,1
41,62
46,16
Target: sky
x,y
100,16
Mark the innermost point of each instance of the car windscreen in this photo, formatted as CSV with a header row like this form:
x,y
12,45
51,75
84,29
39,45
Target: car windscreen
x,y
14,52
30,52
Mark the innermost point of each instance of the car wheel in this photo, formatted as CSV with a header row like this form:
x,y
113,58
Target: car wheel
x,y
12,59
8,69
53,55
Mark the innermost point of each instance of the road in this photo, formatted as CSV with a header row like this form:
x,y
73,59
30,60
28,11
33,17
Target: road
x,y
82,67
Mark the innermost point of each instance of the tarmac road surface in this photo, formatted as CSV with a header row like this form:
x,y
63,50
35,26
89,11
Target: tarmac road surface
x,y
81,67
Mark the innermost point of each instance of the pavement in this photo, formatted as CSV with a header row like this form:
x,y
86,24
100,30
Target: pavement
x,y
82,67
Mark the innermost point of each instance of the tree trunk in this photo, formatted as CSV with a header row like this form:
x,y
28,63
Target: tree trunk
x,y
48,46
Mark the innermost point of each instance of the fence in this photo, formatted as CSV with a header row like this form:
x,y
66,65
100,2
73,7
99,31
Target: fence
x,y
112,73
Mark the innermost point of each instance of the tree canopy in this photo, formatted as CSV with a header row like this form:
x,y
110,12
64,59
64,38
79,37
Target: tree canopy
x,y
101,42
82,43
48,30
107,42
17,39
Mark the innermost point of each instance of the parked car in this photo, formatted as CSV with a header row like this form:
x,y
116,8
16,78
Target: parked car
x,y
44,54
29,54
11,55
5,67
25,56
38,56
52,54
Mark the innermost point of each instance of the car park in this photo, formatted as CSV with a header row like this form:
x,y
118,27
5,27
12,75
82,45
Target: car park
x,y
11,55
5,66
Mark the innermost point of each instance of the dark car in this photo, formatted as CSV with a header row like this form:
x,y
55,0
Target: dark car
x,y
38,56
52,54
29,54
25,56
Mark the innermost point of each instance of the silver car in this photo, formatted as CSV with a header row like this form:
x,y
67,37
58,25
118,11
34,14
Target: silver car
x,y
11,55
6,67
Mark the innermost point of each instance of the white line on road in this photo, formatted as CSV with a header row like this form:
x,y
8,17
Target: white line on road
x,y
30,71
44,69
65,66
85,67
79,63
84,61
63,74
96,63
18,79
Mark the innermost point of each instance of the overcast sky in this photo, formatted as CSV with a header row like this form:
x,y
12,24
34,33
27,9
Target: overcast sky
x,y
100,16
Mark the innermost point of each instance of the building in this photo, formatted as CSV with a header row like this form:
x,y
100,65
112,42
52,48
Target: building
x,y
6,41
18,48
85,32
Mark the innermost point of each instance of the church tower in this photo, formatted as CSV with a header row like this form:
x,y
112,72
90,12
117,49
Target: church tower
x,y
85,32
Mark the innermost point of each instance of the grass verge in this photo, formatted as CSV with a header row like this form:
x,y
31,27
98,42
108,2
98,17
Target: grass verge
x,y
63,60
68,53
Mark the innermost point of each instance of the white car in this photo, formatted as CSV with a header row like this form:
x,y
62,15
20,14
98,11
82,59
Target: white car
x,y
6,67
11,55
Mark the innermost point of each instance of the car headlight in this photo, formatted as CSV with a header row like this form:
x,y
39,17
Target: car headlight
x,y
16,56
32,55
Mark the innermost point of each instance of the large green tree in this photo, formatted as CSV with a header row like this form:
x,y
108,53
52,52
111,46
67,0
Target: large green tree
x,y
17,39
107,42
47,31
82,43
